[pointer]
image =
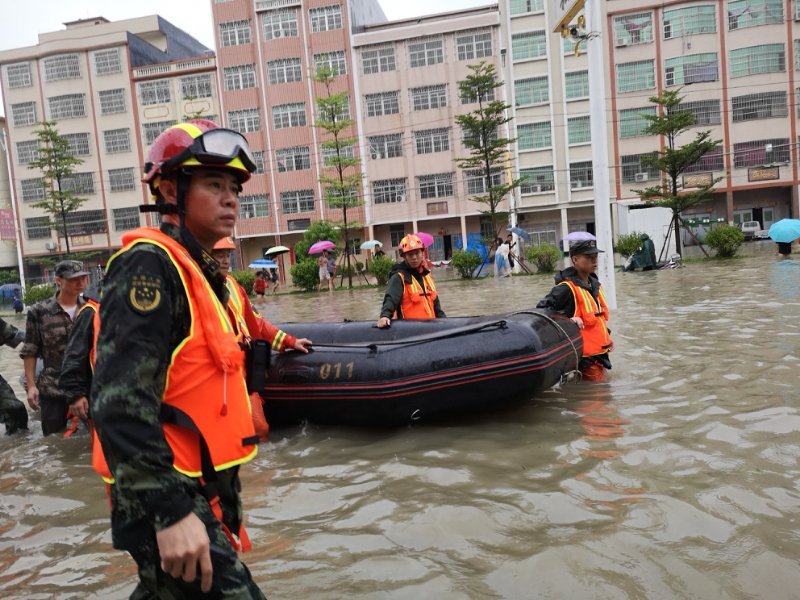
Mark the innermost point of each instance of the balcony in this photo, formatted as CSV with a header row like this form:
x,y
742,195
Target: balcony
x,y
263,5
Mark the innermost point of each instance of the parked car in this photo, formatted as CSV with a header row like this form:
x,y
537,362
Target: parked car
x,y
761,235
749,229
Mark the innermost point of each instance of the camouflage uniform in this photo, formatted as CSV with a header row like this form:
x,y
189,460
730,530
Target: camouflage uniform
x,y
76,370
46,334
134,350
12,412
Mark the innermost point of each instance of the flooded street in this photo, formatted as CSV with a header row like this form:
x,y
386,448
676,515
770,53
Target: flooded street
x,y
676,479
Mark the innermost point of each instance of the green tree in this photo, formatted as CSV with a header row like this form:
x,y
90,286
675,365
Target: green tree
x,y
57,165
342,177
670,122
488,151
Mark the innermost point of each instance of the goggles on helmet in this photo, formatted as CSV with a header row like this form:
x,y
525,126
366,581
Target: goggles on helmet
x,y
215,147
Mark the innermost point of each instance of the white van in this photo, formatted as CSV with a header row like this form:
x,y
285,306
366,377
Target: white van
x,y
750,228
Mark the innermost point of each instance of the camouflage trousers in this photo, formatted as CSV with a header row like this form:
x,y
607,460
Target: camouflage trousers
x,y
12,412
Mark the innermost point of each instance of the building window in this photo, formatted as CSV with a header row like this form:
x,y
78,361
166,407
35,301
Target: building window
x,y
470,46
239,77
86,222
579,130
37,228
331,115
335,61
244,120
293,159
705,112
633,170
346,151
523,7
534,136
692,68
633,29
525,46
386,103
258,158
18,75
470,98
769,58
532,91
396,234
433,96
476,181
112,101
23,114
153,130
389,191
325,18
32,190
284,70
432,140
439,185
289,115
429,52
635,76
107,62
126,219
253,205
692,20
27,152
63,66
155,92
79,183
761,152
378,60
580,175
234,33
752,13
297,202
196,86
712,160
70,106
576,85
472,138
537,180
280,23
78,143
385,146
117,140
764,105
632,121
122,180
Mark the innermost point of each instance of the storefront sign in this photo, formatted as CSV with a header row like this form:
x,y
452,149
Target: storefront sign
x,y
763,173
81,240
696,180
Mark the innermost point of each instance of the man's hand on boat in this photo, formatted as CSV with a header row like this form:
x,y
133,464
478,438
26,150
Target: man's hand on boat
x,y
302,345
383,323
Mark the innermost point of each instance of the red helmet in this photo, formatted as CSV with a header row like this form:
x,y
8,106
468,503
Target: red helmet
x,y
225,243
411,242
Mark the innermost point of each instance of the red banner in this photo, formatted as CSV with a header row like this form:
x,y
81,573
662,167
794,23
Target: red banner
x,y
7,226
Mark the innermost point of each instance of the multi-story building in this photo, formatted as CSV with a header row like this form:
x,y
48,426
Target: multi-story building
x,y
8,238
111,87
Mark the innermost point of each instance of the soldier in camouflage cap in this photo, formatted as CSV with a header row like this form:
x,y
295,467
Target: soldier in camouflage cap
x,y
12,412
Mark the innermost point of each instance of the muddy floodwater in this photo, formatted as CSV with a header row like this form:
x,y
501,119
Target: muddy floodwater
x,y
676,479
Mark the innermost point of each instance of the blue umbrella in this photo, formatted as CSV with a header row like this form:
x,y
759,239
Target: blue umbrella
x,y
521,233
262,263
785,230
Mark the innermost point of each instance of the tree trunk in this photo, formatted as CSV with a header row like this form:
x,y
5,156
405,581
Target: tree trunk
x,y
676,225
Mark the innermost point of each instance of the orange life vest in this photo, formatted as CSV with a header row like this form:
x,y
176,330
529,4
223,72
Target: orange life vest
x,y
418,300
596,339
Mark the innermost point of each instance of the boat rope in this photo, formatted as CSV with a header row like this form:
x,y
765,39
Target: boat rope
x,y
575,374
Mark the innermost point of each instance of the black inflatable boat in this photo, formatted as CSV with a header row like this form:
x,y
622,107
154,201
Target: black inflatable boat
x,y
418,370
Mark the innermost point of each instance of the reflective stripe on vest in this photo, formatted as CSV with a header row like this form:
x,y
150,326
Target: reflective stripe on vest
x,y
594,315
417,300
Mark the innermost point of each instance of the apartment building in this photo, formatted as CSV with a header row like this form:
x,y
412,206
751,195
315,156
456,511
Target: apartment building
x,y
111,87
8,238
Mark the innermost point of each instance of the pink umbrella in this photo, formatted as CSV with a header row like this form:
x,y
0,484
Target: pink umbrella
x,y
318,247
427,238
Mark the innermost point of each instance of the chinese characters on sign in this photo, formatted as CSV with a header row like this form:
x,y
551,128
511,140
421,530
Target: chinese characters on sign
x,y
7,227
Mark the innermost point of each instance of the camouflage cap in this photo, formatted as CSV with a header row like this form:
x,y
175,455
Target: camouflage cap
x,y
68,269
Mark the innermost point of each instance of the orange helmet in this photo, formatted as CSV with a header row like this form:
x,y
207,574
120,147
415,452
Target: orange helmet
x,y
411,242
225,243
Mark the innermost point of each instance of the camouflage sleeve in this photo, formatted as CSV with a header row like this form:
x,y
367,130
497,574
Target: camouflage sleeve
x,y
137,336
9,335
33,333
262,329
76,372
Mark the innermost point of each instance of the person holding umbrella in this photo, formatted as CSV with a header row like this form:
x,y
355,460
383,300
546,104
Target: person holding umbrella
x,y
325,275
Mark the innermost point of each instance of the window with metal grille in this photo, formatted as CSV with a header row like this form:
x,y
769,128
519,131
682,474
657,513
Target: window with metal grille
x,y
126,218
385,146
767,58
23,114
107,62
385,103
633,29
713,160
473,137
155,92
37,228
433,96
239,77
576,85
534,136
764,105
439,185
471,98
280,23
476,181
547,236
112,101
18,75
761,152
537,180
117,140
253,205
152,130
32,190
692,20
632,121
27,151
86,222
396,234
121,180
334,114
389,191
78,143
244,120
568,47
522,7
62,66
69,106
258,158
691,68
78,183
631,166
293,159
705,112
432,140
378,60
579,130
325,18
635,76
289,115
329,153
284,70
297,201
196,86
528,45
470,46
534,90
234,33
580,174
428,52
752,13
335,61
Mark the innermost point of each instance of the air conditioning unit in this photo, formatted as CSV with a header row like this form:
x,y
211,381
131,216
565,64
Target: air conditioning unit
x,y
575,183
50,246
375,156
621,42
640,177
401,197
